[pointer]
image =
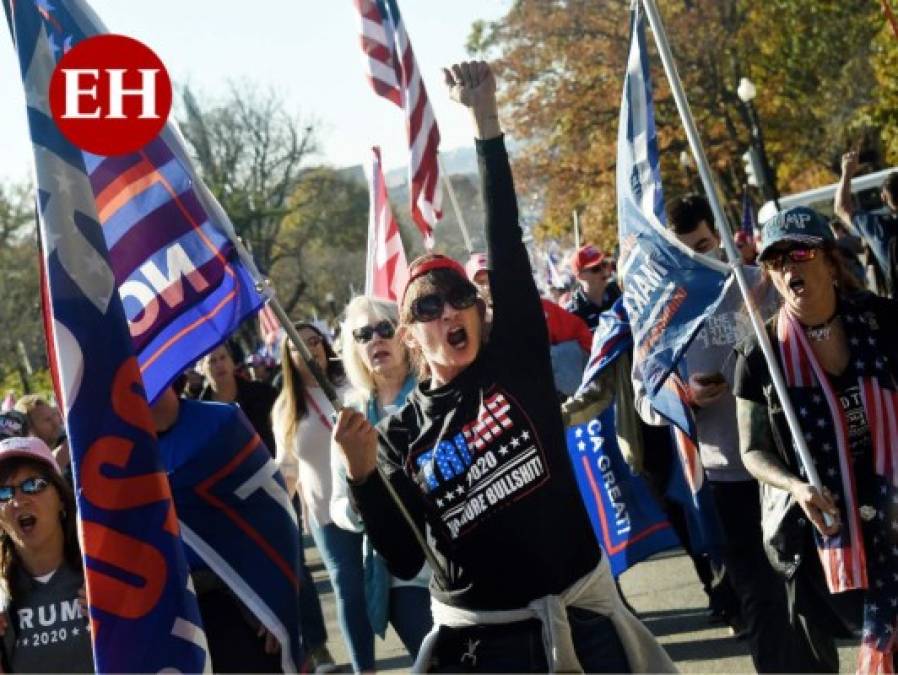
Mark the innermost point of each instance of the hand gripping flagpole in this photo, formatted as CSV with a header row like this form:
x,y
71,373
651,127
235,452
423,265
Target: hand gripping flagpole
x,y
266,289
735,260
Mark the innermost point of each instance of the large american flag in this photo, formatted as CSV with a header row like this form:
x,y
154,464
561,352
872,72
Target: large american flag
x,y
394,74
386,270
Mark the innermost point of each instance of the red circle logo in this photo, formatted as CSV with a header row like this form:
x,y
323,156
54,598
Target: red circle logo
x,y
110,95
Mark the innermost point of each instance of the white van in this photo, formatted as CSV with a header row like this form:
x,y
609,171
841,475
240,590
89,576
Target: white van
x,y
865,189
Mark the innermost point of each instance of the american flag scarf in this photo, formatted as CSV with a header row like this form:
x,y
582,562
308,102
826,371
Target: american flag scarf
x,y
847,563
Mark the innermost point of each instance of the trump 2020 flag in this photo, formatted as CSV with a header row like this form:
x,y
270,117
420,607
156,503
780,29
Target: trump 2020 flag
x,y
669,290
625,517
386,269
235,515
144,614
182,286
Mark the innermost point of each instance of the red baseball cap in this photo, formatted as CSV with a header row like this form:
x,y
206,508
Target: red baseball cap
x,y
586,257
427,263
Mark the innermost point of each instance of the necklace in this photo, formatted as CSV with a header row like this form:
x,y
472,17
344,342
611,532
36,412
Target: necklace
x,y
822,331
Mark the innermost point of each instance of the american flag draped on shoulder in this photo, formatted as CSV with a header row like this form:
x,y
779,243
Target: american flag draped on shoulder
x,y
861,555
144,614
394,74
668,290
625,517
386,269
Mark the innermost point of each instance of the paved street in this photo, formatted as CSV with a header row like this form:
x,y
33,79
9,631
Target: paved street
x,y
666,593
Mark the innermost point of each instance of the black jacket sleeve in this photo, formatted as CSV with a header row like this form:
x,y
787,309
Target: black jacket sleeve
x,y
519,326
388,528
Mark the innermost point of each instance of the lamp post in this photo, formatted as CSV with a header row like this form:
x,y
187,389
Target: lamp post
x,y
746,91
688,169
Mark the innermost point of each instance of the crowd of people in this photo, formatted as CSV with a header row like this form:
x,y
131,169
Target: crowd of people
x,y
441,496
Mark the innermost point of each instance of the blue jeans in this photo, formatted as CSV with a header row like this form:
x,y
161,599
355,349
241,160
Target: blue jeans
x,y
341,552
311,619
518,647
410,616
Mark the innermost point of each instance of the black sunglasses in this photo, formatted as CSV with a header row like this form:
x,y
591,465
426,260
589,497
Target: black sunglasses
x,y
384,329
30,486
430,307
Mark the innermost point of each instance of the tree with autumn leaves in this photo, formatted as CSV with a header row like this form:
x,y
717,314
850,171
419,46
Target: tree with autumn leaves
x,y
824,70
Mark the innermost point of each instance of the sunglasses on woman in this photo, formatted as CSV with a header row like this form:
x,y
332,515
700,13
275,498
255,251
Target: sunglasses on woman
x,y
430,307
29,486
797,254
364,334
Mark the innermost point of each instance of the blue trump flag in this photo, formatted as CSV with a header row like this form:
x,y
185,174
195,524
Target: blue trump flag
x,y
144,614
235,514
182,286
625,517
669,290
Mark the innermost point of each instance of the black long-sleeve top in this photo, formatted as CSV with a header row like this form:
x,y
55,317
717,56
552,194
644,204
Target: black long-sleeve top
x,y
482,460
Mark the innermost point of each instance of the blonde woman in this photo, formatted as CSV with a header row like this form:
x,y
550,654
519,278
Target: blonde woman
x,y
379,370
302,429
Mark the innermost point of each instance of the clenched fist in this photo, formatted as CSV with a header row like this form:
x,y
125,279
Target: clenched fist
x,y
357,441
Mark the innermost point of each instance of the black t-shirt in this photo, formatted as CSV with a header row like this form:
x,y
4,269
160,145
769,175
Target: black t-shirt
x,y
483,460
580,305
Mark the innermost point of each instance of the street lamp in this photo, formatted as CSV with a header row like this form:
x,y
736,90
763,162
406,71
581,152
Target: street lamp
x,y
746,91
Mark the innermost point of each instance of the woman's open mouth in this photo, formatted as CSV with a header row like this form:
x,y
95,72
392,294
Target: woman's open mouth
x,y
27,522
457,337
797,286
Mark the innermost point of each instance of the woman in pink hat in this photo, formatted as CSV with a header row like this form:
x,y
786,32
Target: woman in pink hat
x,y
41,574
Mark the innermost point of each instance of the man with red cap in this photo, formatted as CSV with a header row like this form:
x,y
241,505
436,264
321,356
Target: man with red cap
x,y
596,292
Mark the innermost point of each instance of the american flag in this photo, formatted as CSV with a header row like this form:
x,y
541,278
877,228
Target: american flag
x,y
386,270
847,562
394,74
269,327
492,418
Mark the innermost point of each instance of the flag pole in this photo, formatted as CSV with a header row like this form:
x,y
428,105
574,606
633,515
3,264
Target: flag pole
x,y
735,260
455,207
576,229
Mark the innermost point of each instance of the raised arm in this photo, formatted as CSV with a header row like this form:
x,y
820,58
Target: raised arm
x,y
518,320
843,204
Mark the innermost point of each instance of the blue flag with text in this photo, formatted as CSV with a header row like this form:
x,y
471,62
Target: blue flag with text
x,y
669,290
235,514
174,265
143,611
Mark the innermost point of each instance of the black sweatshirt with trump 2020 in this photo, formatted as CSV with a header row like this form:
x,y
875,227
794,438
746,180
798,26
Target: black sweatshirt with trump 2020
x,y
483,460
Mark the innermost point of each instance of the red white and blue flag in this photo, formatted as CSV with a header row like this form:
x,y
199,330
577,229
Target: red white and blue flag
x,y
835,424
394,74
144,613
235,515
139,279
669,290
386,269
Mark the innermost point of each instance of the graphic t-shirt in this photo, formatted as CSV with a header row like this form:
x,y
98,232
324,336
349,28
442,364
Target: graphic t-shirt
x,y
483,459
860,442
51,633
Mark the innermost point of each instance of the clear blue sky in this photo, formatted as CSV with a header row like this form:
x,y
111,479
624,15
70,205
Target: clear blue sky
x,y
307,50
